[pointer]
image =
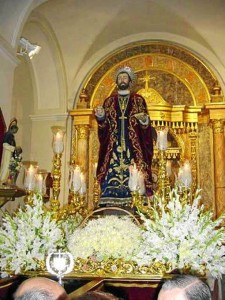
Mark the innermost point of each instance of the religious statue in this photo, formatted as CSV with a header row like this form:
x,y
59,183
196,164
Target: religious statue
x,y
11,157
125,137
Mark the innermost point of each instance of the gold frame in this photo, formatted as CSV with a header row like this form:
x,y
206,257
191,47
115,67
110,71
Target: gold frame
x,y
188,123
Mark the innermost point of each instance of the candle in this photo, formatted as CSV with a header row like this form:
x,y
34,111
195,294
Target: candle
x,y
162,139
76,181
184,175
141,183
58,142
39,183
29,177
133,178
187,174
83,187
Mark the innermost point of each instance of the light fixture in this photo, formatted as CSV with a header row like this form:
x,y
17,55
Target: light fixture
x,y
27,48
59,263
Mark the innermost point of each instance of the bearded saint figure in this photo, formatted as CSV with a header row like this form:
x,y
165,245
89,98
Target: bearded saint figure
x,y
125,138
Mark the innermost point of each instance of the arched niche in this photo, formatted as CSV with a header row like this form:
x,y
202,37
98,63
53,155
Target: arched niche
x,y
177,86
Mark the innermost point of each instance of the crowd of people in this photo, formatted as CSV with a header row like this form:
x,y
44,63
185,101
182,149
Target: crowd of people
x,y
182,287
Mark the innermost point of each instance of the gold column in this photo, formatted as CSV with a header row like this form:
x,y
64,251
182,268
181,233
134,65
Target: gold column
x,y
82,146
82,122
74,146
219,164
217,118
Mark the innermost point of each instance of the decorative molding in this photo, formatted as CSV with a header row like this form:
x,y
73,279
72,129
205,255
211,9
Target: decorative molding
x,y
55,117
8,52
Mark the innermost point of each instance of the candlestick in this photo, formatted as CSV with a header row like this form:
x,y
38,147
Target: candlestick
x,y
58,135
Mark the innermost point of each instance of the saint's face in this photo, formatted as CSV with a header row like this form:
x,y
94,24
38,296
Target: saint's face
x,y
123,81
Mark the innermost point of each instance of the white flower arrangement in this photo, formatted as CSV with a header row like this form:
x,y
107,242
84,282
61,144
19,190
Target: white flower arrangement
x,y
183,235
104,238
71,223
27,237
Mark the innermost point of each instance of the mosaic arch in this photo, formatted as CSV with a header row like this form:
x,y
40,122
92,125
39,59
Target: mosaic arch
x,y
166,74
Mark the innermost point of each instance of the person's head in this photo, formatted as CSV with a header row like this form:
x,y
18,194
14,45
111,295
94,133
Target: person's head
x,y
184,287
13,127
97,295
40,288
124,77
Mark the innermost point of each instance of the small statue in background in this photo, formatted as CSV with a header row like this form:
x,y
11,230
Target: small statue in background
x,y
11,157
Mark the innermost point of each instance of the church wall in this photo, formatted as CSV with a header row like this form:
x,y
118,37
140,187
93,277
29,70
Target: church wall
x,y
6,86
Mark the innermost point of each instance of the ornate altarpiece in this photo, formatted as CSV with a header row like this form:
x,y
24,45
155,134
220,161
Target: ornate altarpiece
x,y
182,93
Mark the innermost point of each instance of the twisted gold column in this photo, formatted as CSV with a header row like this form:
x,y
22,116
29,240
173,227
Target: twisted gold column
x,y
193,138
163,181
56,176
74,146
219,164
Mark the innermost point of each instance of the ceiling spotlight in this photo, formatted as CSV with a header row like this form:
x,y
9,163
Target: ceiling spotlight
x,y
27,48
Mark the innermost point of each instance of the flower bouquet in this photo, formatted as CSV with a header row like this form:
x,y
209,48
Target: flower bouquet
x,y
183,235
27,237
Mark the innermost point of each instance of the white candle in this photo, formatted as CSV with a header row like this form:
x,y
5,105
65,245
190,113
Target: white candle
x,y
58,143
180,174
76,182
141,183
162,139
39,183
184,175
29,177
83,187
133,178
187,174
